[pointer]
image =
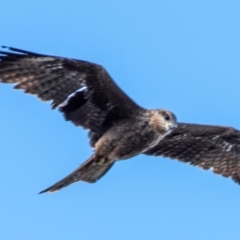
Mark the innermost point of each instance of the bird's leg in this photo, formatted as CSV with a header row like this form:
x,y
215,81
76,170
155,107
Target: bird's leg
x,y
101,160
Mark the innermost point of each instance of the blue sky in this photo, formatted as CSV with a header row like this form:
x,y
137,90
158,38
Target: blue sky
x,y
179,55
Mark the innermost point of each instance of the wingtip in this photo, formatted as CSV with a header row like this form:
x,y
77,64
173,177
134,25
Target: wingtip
x,y
20,51
6,47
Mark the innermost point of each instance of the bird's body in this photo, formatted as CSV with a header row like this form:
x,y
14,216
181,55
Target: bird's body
x,y
141,132
118,127
126,139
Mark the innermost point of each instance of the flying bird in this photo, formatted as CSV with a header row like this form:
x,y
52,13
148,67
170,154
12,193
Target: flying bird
x,y
118,127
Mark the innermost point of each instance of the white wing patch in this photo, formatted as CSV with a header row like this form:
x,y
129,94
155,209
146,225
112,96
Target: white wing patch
x,y
41,59
227,146
65,102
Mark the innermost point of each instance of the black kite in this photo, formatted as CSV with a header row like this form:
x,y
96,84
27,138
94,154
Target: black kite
x,y
118,128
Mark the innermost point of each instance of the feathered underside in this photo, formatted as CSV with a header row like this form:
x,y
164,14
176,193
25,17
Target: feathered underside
x,y
206,146
88,97
83,91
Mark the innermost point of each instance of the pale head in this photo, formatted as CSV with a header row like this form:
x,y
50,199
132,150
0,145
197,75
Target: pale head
x,y
163,121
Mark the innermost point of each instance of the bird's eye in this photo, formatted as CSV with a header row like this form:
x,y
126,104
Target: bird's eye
x,y
167,118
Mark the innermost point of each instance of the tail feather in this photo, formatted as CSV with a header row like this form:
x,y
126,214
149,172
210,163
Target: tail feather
x,y
90,171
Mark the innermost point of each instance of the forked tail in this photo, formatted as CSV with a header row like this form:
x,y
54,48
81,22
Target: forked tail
x,y
90,171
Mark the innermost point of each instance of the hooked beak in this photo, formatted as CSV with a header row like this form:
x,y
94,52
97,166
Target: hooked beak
x,y
172,126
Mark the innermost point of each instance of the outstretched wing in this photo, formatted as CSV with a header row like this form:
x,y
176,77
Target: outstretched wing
x,y
83,91
214,147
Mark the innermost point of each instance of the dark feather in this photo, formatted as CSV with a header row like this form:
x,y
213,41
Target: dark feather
x,y
90,171
86,94
205,146
83,91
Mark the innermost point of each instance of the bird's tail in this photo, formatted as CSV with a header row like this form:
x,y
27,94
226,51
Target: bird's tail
x,y
90,171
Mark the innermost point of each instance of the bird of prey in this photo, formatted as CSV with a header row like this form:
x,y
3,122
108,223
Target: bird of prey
x,y
118,127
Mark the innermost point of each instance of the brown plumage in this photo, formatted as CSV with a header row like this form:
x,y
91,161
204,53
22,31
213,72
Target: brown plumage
x,y
206,146
118,128
88,97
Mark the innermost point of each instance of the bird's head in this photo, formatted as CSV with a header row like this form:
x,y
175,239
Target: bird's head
x,y
163,120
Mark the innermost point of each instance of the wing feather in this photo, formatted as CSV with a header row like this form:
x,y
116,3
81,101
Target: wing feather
x,y
206,146
61,80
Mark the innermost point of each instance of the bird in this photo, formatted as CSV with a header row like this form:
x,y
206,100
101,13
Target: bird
x,y
118,128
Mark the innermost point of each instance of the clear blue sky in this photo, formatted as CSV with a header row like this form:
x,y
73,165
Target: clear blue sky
x,y
179,55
